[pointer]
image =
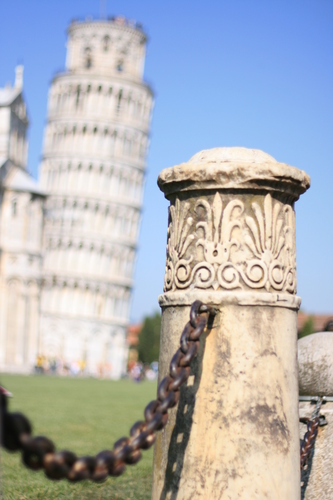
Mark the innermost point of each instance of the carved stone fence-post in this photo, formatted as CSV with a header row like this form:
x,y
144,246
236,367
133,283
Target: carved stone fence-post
x,y
231,244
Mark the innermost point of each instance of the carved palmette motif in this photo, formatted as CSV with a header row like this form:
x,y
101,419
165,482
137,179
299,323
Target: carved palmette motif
x,y
179,240
220,245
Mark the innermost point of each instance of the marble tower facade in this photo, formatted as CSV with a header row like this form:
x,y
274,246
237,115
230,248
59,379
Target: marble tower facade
x,y
92,168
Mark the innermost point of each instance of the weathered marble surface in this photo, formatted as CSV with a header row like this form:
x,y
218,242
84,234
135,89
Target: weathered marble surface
x,y
229,168
315,354
231,243
234,434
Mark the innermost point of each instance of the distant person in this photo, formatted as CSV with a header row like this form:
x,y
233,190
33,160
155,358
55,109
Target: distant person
x,y
53,366
39,364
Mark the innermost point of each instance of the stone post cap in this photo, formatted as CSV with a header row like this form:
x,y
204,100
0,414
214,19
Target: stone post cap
x,y
315,363
233,168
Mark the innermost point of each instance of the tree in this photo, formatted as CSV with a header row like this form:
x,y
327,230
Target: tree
x,y
149,339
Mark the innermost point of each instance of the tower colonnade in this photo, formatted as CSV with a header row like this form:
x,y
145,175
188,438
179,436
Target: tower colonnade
x,y
100,179
101,141
123,100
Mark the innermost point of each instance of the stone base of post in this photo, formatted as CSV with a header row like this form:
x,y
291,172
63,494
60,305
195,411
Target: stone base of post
x,y
234,433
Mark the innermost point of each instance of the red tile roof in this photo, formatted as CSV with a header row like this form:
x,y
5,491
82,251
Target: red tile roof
x,y
133,334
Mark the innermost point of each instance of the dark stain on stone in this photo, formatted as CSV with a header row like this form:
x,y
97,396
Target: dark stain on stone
x,y
233,474
269,352
269,425
222,368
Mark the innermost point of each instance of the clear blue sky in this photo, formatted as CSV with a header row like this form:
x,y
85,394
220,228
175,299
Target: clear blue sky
x,y
253,73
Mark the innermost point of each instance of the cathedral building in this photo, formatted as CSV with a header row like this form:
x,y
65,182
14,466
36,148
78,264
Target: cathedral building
x,y
21,223
68,245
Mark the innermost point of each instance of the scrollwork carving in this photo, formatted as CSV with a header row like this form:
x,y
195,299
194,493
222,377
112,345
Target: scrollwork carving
x,y
203,275
220,245
228,276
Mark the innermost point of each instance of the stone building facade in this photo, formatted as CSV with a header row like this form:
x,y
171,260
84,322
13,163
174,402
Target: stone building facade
x,y
21,223
92,169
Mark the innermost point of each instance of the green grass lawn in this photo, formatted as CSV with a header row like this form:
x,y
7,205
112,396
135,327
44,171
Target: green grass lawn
x,y
85,416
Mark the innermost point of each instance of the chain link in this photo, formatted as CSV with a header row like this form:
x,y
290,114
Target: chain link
x,y
308,442
40,453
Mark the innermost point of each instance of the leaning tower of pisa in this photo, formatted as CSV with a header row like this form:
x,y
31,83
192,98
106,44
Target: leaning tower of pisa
x,y
92,168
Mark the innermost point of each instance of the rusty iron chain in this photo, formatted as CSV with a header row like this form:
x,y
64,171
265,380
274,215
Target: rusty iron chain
x,y
40,453
308,442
